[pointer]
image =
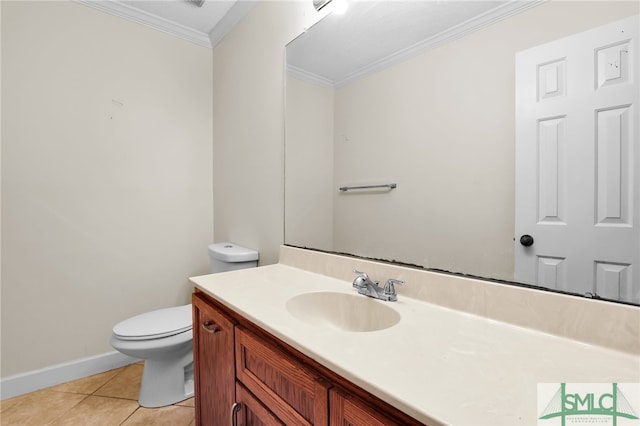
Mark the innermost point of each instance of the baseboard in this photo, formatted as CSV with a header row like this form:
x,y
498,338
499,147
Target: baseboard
x,y
61,373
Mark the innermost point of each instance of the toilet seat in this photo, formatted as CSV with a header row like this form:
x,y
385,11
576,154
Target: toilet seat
x,y
155,324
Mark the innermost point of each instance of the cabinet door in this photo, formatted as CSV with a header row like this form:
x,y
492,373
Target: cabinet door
x,y
250,412
347,410
213,352
292,391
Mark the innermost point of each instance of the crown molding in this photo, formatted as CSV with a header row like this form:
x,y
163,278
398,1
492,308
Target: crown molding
x,y
502,12
309,76
238,11
141,17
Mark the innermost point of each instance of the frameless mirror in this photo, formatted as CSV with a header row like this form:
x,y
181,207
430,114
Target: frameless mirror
x,y
467,108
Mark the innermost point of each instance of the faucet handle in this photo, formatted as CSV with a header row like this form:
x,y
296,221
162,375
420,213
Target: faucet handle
x,y
363,275
389,286
360,279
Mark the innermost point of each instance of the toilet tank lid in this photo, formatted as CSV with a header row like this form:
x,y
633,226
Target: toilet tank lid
x,y
230,252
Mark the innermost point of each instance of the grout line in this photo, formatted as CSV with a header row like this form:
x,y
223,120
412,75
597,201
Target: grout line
x,y
129,416
115,397
69,410
113,378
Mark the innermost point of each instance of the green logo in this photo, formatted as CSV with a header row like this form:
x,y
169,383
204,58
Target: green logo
x,y
584,402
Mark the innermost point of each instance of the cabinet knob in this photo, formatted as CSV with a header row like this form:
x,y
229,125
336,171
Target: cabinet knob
x,y
210,327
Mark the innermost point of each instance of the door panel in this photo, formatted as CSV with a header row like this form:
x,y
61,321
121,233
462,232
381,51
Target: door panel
x,y
613,171
551,157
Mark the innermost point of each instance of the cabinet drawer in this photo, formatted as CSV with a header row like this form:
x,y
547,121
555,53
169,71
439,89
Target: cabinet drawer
x,y
292,391
347,410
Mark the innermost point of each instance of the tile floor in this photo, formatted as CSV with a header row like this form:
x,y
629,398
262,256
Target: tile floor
x,y
106,399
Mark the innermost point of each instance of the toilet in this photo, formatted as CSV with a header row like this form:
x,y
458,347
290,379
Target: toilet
x,y
164,340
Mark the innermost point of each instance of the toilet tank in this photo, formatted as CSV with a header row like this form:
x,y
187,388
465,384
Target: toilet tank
x,y
225,257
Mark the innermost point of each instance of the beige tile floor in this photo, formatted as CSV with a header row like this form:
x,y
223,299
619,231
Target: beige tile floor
x,y
106,399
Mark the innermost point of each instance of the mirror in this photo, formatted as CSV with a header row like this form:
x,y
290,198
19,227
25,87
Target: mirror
x,y
423,95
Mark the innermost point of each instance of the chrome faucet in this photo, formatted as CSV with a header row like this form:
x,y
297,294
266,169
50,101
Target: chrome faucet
x,y
372,289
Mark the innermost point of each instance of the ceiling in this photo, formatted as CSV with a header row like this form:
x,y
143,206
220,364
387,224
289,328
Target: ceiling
x,y
395,24
372,35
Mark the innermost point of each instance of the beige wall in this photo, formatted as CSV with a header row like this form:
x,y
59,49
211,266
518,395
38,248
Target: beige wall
x,y
106,177
441,126
309,184
248,133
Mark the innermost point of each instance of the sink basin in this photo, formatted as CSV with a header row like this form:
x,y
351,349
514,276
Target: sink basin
x,y
342,311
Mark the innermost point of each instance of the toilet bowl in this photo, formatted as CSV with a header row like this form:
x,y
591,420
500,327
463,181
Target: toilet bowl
x,y
164,337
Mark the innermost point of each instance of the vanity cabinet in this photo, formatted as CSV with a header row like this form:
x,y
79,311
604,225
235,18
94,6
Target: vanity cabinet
x,y
347,410
213,358
294,392
245,376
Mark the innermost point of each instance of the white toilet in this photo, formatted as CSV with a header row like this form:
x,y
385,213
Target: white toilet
x,y
163,338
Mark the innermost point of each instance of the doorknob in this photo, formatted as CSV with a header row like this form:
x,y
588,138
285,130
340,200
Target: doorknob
x,y
526,240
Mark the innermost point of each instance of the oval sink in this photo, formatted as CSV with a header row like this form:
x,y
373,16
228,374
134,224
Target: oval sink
x,y
342,311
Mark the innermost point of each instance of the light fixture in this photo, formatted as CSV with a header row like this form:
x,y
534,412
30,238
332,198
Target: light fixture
x,y
198,3
319,4
337,6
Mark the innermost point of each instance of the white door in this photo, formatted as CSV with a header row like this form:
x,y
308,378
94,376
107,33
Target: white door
x,y
577,163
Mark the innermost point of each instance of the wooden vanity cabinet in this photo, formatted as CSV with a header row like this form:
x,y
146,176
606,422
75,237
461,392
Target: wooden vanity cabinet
x,y
347,410
245,376
292,391
213,358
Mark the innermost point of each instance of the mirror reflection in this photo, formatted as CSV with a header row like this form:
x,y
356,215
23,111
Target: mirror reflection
x,y
438,110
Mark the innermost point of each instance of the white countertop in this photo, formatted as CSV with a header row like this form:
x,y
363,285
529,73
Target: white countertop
x,y
437,365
